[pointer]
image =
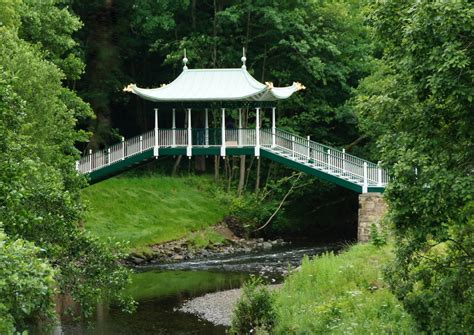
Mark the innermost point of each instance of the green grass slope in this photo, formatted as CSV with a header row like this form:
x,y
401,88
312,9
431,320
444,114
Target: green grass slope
x,y
146,210
342,294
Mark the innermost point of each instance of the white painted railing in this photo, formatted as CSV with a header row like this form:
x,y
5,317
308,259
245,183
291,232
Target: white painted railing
x,y
327,158
303,150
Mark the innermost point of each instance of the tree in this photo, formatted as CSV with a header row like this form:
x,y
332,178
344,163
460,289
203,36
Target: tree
x,y
418,105
39,186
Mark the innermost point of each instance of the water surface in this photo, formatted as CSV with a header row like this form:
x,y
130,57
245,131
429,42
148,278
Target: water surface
x,y
161,289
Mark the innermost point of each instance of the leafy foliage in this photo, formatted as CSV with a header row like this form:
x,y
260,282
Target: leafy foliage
x,y
26,285
255,311
418,105
39,187
377,236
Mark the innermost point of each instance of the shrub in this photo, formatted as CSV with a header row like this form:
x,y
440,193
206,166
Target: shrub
x,y
377,236
255,312
26,285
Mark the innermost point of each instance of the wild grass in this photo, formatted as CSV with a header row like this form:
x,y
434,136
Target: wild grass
x,y
342,294
145,210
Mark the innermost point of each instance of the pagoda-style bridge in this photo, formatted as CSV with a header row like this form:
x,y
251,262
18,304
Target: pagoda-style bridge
x,y
224,89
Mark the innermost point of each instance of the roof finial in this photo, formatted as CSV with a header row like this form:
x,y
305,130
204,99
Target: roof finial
x,y
185,61
243,59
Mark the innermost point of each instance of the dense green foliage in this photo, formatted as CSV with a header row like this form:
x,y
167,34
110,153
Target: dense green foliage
x,y
39,187
342,294
419,106
255,310
149,209
30,278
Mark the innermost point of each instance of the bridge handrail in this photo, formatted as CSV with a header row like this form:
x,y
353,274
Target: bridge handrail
x,y
299,147
334,159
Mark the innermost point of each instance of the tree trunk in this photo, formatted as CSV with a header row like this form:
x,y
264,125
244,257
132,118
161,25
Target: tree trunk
x,y
257,177
217,166
249,169
176,165
240,187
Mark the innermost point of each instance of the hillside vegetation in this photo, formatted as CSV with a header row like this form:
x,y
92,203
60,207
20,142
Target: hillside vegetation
x,y
342,293
151,209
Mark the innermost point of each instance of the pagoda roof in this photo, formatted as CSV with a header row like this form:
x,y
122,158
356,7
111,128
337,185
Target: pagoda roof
x,y
215,85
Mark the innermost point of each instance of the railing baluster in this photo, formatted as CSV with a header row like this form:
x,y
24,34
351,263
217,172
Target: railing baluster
x,y
293,146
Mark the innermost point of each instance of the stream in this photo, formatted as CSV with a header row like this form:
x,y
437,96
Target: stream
x,y
161,289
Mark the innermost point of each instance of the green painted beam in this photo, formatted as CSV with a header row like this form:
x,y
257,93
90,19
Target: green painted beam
x,y
120,166
177,151
375,189
244,151
133,161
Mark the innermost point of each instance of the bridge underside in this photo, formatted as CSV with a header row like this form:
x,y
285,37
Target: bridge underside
x,y
147,155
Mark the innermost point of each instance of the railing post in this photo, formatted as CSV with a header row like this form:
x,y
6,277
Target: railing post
x,y
365,185
123,148
108,156
155,148
90,160
309,147
273,127
329,158
189,148
223,132
343,160
379,174
173,128
257,132
206,126
239,143
141,143
293,146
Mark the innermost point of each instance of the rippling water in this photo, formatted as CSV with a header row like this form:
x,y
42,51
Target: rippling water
x,y
271,262
161,289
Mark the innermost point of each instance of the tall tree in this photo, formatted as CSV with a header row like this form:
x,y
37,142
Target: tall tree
x,y
39,185
419,107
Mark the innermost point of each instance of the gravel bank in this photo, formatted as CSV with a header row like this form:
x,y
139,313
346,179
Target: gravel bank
x,y
215,307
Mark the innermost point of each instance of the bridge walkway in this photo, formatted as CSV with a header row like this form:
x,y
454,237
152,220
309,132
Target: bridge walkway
x,y
293,151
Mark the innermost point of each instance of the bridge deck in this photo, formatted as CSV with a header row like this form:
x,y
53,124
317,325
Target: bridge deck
x,y
296,152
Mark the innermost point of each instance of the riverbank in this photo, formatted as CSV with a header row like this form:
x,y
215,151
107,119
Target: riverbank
x,y
184,249
329,294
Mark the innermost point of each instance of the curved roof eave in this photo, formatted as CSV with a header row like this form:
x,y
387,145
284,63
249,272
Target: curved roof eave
x,y
208,85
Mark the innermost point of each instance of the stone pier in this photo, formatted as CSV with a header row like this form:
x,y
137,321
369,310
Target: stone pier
x,y
372,208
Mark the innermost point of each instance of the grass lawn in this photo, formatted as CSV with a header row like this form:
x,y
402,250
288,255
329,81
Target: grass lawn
x,y
342,294
151,209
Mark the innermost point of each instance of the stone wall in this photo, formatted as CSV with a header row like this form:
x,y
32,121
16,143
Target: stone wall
x,y
372,208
